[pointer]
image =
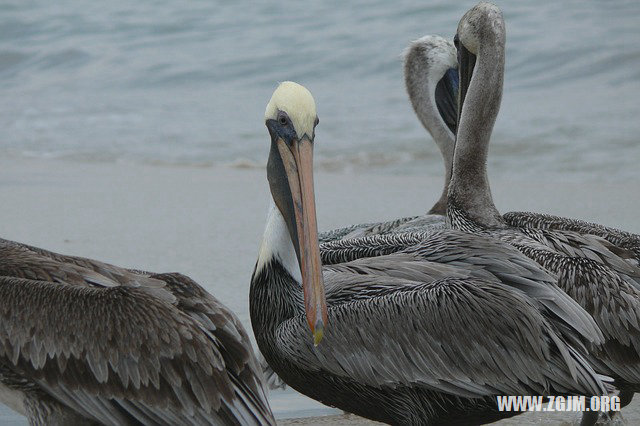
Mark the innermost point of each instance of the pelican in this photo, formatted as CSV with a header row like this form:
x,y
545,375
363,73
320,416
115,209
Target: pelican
x,y
430,71
86,342
602,277
427,334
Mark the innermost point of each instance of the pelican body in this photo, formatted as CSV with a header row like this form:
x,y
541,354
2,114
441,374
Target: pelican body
x,y
86,342
427,331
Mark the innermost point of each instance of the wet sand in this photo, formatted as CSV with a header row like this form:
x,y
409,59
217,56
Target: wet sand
x,y
343,419
208,222
547,419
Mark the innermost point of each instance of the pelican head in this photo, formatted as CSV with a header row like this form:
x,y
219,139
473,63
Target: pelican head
x,y
291,119
481,32
431,79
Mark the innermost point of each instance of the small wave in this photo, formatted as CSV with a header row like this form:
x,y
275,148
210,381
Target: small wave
x,y
519,160
361,160
245,163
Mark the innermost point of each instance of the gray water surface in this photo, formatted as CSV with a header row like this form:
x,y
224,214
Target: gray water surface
x,y
169,81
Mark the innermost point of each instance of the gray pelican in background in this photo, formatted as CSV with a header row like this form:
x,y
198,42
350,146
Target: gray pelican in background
x,y
435,102
429,333
85,342
431,80
602,277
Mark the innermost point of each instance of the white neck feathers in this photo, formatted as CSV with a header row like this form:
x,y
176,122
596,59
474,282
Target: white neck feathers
x,y
277,244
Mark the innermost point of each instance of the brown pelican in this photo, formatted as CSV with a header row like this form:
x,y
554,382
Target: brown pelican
x,y
602,277
427,334
85,342
431,80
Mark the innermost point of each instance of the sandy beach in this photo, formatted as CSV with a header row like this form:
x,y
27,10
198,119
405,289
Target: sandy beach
x,y
207,222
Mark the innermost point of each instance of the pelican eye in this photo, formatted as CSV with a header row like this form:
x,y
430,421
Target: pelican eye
x,y
283,120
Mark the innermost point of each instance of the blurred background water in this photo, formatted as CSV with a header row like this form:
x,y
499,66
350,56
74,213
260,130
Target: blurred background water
x,y
175,82
172,82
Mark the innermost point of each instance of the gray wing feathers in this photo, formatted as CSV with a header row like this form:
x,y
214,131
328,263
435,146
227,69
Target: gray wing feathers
x,y
340,233
428,222
94,346
467,337
512,268
246,374
116,341
339,251
586,245
615,236
605,284
23,261
434,255
405,224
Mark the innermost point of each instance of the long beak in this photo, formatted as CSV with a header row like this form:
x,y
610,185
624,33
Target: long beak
x,y
298,164
466,64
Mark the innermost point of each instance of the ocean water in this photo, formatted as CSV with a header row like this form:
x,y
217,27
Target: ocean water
x,y
169,82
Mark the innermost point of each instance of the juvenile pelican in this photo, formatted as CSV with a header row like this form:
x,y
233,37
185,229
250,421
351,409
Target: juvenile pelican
x,y
602,277
85,342
428,334
435,104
